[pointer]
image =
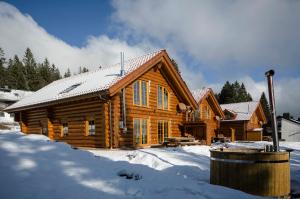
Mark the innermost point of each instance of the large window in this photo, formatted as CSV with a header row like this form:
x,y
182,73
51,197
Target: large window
x,y
207,112
140,131
140,93
162,130
162,98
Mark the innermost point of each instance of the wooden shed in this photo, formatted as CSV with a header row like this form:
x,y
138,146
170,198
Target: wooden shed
x,y
110,107
243,121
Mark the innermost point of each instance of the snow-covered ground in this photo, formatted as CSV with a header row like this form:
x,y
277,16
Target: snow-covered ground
x,y
33,167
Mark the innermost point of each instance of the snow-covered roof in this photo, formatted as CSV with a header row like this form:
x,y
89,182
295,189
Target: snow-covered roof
x,y
198,94
13,95
85,83
243,110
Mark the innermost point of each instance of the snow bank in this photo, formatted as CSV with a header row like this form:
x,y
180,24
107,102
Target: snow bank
x,y
34,167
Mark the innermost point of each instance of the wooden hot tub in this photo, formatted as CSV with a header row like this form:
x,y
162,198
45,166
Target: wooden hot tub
x,y
251,171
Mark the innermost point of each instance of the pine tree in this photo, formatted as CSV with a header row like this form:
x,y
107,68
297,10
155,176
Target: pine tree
x,y
227,94
3,70
84,70
265,105
16,74
68,73
31,70
233,93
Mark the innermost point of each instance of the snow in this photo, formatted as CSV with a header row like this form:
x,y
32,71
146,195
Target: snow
x,y
32,166
244,110
198,94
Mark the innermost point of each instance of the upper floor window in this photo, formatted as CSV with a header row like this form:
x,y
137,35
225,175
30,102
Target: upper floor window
x,y
207,112
140,93
162,98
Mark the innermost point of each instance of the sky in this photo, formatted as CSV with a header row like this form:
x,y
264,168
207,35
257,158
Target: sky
x,y
212,41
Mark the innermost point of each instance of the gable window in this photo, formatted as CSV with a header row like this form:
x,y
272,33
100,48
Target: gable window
x,y
162,98
65,129
162,130
70,88
207,112
140,131
90,127
140,93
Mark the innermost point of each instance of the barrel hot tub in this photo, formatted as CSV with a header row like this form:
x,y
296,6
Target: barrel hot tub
x,y
251,171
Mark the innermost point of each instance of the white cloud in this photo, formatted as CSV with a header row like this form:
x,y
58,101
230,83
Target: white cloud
x,y
19,31
236,33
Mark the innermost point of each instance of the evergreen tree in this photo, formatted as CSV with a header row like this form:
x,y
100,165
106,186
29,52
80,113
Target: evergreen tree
x,y
31,70
68,73
227,94
16,74
265,105
233,93
84,70
3,71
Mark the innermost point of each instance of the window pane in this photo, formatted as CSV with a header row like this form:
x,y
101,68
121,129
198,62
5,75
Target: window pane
x,y
144,131
136,131
159,97
160,131
65,128
91,127
166,129
144,93
136,93
166,99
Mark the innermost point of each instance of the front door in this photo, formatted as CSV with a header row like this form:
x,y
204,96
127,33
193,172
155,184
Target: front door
x,y
45,128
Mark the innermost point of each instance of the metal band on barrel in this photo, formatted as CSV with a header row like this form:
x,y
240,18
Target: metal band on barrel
x,y
248,161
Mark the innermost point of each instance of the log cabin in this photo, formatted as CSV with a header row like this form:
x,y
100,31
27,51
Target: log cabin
x,y
209,113
131,104
243,121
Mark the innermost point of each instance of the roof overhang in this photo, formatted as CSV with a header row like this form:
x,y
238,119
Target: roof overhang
x,y
210,96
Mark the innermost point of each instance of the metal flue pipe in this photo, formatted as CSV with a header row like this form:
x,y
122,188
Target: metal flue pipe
x,y
269,74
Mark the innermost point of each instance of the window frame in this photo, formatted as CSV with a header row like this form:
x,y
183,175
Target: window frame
x,y
87,126
62,128
163,91
163,122
140,98
139,131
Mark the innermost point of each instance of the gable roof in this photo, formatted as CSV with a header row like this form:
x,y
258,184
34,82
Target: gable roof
x,y
107,78
243,110
204,93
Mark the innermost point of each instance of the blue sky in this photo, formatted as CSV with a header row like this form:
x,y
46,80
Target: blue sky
x,y
213,41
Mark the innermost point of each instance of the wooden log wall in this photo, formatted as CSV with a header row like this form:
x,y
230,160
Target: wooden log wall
x,y
155,77
238,126
211,122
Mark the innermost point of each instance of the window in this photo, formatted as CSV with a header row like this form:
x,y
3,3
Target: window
x,y
207,112
140,93
2,114
70,88
91,127
162,130
162,98
45,128
65,129
140,131
12,115
136,93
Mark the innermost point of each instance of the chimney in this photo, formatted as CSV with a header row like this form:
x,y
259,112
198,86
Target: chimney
x,y
122,72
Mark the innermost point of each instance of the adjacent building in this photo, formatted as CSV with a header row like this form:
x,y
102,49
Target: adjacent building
x,y
288,129
243,121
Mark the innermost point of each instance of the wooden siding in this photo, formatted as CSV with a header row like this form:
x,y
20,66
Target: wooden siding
x,y
211,122
75,114
155,77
